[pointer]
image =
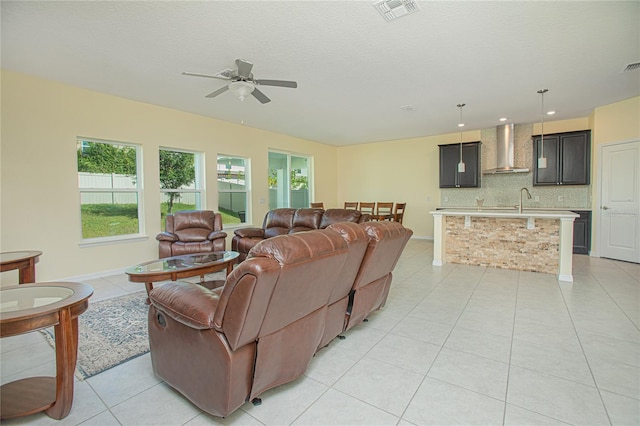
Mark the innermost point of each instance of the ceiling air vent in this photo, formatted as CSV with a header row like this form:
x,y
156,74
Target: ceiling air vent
x,y
632,67
394,9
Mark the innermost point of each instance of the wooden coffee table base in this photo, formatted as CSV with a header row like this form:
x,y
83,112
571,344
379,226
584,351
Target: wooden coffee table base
x,y
27,396
51,394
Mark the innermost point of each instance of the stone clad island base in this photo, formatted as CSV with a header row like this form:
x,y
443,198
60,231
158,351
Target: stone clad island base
x,y
534,240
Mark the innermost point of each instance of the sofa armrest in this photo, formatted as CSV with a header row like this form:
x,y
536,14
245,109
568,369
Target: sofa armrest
x,y
216,234
190,304
249,232
167,236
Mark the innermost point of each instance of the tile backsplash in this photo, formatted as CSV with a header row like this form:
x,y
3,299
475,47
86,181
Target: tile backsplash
x,y
504,189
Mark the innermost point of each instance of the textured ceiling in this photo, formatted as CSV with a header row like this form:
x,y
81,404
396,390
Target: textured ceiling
x,y
354,70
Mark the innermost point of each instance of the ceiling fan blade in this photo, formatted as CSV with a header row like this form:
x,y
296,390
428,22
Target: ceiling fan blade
x,y
193,74
244,68
217,92
279,83
260,96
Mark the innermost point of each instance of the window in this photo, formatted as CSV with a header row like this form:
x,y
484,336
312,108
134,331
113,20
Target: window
x,y
110,190
233,189
289,180
181,180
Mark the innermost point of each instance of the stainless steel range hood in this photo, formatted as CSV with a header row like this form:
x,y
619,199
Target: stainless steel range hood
x,y
505,151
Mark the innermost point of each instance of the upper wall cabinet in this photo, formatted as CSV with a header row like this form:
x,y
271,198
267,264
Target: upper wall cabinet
x,y
449,159
568,159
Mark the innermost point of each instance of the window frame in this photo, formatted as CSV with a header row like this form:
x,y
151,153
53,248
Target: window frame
x,y
287,176
246,191
199,183
138,190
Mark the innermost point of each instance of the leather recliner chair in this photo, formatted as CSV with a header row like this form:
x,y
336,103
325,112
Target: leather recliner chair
x,y
191,231
225,346
365,280
357,240
371,286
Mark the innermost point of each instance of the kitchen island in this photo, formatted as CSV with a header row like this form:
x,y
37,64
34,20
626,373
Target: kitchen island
x,y
534,240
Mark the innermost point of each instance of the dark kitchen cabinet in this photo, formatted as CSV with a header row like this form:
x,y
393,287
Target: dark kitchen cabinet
x,y
582,232
449,159
568,158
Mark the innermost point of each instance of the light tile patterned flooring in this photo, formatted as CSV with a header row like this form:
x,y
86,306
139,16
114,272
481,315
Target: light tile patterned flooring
x,y
454,345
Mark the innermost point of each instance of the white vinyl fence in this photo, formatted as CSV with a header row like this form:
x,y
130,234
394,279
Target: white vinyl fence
x,y
112,181
107,181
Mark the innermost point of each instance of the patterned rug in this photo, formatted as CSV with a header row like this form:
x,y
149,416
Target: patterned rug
x,y
110,332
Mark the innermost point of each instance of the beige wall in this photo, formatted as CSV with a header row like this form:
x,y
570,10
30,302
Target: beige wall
x,y
39,197
617,122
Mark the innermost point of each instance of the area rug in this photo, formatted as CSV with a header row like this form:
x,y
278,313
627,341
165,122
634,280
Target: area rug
x,y
110,332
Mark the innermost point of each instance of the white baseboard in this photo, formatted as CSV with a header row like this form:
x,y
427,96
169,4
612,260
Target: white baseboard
x,y
94,275
421,237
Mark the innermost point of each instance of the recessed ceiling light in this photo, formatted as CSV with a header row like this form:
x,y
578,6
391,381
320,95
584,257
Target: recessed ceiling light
x,y
460,124
550,112
503,119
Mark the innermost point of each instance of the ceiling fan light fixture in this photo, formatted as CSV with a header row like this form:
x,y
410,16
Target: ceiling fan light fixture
x,y
241,89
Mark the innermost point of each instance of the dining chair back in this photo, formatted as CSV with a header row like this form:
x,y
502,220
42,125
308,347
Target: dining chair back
x,y
351,205
384,211
398,212
367,208
317,205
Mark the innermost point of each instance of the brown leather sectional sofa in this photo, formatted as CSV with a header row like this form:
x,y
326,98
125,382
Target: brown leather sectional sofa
x,y
287,221
292,295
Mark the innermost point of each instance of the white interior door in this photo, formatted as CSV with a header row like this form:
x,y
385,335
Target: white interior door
x,y
620,202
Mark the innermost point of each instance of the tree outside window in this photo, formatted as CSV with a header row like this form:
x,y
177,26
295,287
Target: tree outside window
x,y
180,181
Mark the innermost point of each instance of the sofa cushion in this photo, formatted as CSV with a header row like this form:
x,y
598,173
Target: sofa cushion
x,y
386,242
193,235
332,216
306,220
278,222
193,219
190,304
193,226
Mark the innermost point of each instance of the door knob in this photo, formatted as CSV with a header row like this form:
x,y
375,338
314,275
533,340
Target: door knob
x,y
605,208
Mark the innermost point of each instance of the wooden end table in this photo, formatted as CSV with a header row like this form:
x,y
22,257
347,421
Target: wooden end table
x,y
185,266
25,308
25,261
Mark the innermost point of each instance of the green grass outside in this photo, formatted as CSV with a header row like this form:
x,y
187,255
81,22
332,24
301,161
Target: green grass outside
x,y
106,220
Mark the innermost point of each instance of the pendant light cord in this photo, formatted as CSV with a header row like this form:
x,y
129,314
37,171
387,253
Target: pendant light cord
x,y
460,124
542,92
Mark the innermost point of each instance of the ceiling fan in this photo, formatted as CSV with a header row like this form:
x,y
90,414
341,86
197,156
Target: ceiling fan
x,y
242,83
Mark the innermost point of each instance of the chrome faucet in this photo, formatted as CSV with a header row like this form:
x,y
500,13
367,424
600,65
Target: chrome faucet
x,y
528,196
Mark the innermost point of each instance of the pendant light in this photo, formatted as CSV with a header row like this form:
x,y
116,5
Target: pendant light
x,y
542,161
461,165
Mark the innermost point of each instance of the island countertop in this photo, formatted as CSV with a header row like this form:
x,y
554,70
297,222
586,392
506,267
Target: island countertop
x,y
505,212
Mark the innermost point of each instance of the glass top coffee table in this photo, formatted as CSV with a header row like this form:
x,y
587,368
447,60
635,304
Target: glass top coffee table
x,y
185,266
24,308
24,261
